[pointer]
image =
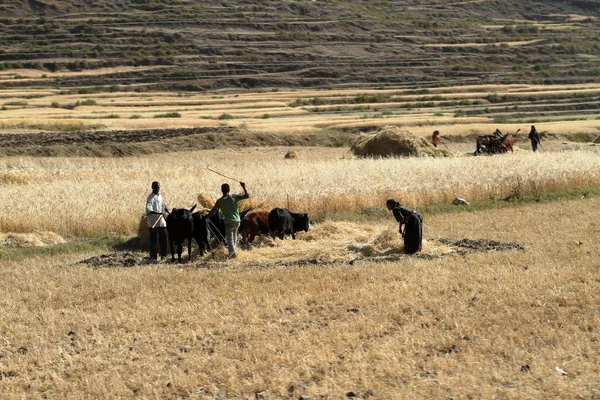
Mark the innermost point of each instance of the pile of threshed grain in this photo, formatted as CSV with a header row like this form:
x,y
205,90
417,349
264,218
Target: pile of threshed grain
x,y
392,141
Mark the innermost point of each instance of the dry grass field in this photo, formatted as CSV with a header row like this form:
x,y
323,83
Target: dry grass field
x,y
83,196
485,325
337,313
98,99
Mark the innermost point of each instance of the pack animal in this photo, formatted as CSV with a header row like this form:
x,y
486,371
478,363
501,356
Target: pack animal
x,y
207,231
202,234
495,144
283,222
253,224
180,226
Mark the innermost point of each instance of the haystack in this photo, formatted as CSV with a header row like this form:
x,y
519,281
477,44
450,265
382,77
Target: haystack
x,y
392,141
291,155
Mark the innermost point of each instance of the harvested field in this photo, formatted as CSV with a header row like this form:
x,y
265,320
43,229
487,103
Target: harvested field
x,y
376,329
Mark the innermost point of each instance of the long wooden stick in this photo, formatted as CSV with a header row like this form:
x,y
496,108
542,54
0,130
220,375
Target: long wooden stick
x,y
224,176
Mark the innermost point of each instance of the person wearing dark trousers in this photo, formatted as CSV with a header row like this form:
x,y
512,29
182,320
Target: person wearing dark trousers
x,y
413,226
534,136
156,222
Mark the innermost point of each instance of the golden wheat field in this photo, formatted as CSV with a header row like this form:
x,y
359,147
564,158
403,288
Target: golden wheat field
x,y
78,197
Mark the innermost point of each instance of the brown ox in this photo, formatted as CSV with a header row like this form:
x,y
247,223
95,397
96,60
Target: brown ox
x,y
253,224
509,141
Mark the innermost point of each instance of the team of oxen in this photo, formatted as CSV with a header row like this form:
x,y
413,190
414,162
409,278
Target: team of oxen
x,y
184,224
497,143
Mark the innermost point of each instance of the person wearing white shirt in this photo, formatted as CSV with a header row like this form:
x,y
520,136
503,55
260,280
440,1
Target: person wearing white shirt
x,y
156,222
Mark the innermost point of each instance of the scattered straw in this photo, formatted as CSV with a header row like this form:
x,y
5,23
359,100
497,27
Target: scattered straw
x,y
34,239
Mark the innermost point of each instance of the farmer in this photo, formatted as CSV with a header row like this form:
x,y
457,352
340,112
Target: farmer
x,y
413,225
435,138
228,204
534,136
156,222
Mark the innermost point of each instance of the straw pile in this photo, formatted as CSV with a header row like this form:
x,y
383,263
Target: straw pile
x,y
291,155
35,239
392,141
205,201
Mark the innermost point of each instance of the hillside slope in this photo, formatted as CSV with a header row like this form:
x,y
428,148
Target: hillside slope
x,y
198,45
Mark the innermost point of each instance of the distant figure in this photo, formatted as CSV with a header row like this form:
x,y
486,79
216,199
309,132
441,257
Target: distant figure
x,y
413,225
228,204
435,138
534,136
156,222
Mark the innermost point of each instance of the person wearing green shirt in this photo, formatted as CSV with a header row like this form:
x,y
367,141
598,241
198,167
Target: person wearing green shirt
x,y
228,204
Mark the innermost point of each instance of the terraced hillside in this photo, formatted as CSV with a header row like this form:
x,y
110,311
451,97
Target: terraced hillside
x,y
200,45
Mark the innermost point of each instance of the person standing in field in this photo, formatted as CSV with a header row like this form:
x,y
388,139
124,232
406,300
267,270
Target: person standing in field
x,y
534,136
435,138
155,209
413,225
228,204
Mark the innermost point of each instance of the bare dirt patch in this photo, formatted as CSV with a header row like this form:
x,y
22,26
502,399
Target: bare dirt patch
x,y
135,142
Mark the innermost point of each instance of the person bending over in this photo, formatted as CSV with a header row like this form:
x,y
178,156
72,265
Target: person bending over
x,y
413,226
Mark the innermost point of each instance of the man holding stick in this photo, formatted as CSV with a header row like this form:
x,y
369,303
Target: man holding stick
x,y
156,222
228,204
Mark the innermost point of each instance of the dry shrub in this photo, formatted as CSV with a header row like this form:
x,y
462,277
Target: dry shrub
x,y
597,140
291,155
392,141
35,239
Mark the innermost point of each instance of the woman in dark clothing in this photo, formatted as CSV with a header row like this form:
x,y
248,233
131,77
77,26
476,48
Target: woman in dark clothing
x,y
413,225
534,136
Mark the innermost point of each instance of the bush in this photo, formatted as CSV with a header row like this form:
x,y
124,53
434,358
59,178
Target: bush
x,y
168,115
225,116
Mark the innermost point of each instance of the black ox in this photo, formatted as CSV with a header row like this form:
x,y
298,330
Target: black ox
x,y
180,226
283,222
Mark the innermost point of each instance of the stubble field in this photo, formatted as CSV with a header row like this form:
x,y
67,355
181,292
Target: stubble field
x,y
486,325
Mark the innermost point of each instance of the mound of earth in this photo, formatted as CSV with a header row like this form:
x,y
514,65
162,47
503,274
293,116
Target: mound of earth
x,y
119,259
392,141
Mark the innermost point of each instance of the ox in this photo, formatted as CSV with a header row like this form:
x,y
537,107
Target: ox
x,y
180,226
253,224
207,230
283,222
496,143
201,231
